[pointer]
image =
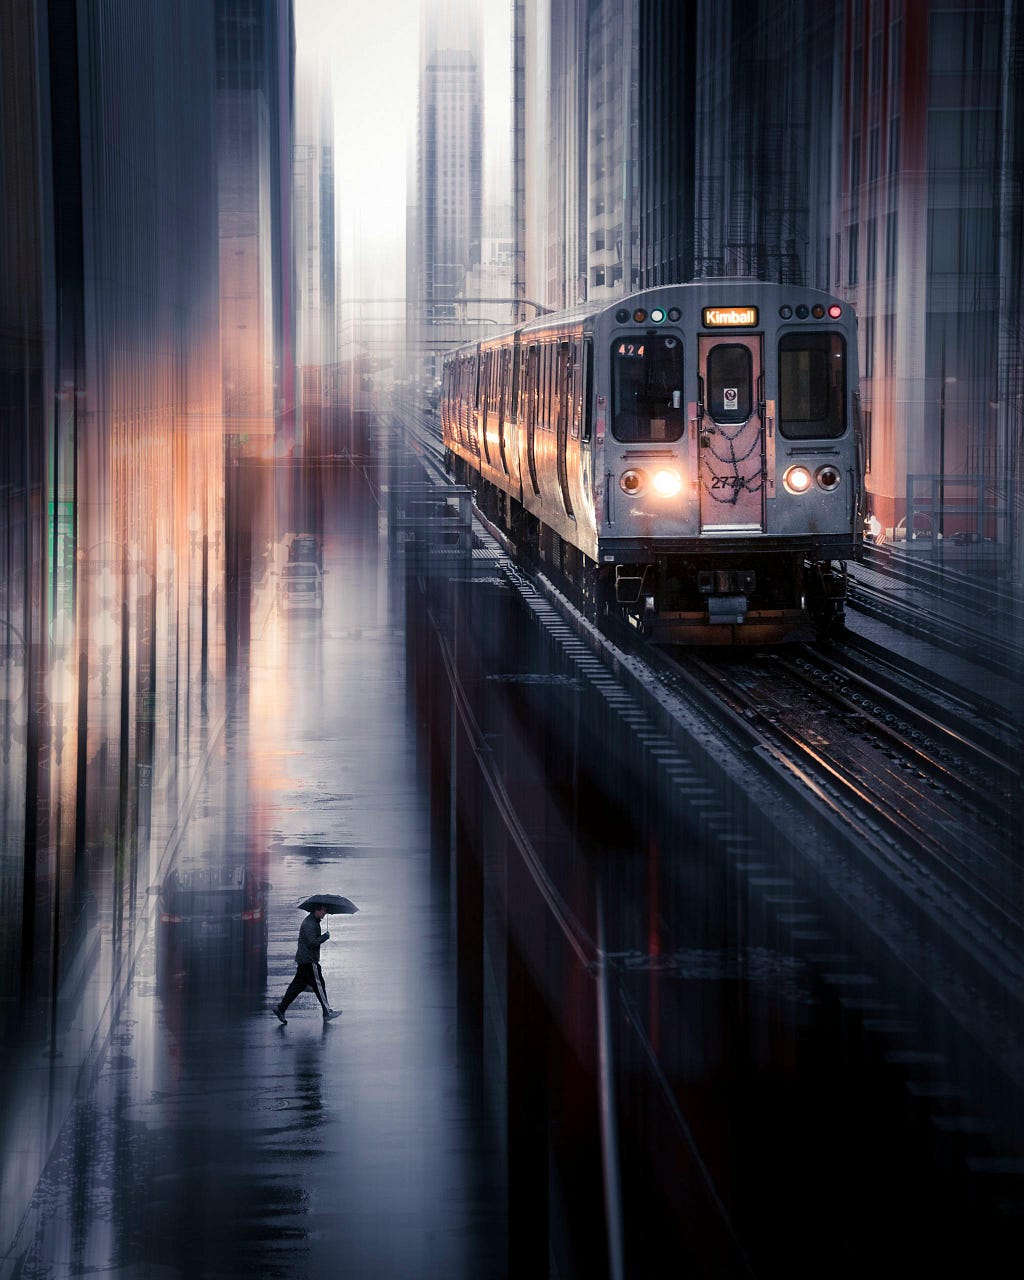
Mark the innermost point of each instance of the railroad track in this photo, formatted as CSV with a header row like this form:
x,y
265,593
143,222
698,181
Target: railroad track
x,y
870,833
931,808
920,781
944,583
991,634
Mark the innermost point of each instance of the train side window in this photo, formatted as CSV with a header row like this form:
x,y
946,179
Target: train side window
x,y
588,386
531,391
812,385
647,372
563,377
549,399
730,382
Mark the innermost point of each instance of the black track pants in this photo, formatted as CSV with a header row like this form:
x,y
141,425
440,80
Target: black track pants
x,y
309,976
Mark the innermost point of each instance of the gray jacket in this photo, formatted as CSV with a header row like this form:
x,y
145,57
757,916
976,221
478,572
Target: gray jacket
x,y
310,938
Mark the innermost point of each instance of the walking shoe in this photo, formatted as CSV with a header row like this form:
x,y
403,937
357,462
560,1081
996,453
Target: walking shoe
x,y
334,1013
276,1011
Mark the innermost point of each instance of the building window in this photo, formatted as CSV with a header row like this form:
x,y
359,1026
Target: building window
x,y
891,227
889,339
870,236
963,41
962,139
867,356
852,235
875,67
962,241
873,136
893,158
895,51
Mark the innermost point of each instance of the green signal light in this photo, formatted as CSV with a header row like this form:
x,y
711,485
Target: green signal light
x,y
657,315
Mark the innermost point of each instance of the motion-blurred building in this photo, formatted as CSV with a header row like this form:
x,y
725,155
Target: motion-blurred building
x,y
142,239
111,458
255,78
446,220
315,272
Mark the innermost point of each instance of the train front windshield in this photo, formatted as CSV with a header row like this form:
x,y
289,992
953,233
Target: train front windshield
x,y
647,382
812,385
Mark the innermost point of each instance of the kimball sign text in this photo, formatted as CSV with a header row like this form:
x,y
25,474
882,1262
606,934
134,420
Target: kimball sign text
x,y
729,317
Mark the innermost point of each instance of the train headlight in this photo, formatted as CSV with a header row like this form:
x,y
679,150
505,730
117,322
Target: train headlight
x,y
667,483
632,482
797,480
828,478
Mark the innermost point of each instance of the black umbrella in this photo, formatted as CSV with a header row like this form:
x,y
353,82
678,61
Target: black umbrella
x,y
335,904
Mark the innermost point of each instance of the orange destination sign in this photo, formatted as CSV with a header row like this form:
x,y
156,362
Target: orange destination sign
x,y
729,317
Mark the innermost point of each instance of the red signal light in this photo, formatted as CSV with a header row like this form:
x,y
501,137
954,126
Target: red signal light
x,y
835,312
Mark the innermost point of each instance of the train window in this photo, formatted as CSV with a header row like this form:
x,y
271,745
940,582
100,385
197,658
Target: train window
x,y
647,371
812,385
563,377
730,382
588,385
530,392
548,420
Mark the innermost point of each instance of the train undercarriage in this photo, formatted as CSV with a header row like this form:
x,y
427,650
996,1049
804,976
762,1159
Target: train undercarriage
x,y
745,597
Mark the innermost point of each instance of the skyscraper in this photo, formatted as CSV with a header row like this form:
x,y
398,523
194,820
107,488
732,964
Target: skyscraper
x,y
255,71
315,284
447,221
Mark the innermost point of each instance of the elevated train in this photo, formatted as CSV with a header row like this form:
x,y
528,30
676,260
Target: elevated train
x,y
689,455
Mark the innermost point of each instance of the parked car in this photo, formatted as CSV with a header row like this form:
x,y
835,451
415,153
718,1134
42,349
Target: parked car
x,y
212,927
300,586
305,548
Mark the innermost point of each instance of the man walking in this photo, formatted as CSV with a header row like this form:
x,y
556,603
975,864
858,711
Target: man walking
x,y
308,973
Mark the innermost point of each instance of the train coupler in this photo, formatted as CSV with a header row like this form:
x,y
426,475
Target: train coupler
x,y
731,609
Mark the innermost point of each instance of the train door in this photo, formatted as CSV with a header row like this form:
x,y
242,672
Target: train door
x,y
563,408
514,420
731,445
502,404
532,385
486,402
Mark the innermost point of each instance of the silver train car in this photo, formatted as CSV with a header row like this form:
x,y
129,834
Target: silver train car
x,y
689,455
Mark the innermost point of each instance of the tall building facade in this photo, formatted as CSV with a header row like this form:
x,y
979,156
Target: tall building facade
x,y
574,149
446,222
869,147
255,76
111,493
929,196
315,259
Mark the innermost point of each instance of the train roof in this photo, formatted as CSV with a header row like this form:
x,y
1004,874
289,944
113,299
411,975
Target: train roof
x,y
588,310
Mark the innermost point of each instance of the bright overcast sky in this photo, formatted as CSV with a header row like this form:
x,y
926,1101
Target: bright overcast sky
x,y
373,50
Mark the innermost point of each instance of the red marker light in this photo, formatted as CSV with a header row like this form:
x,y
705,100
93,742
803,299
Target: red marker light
x,y
835,312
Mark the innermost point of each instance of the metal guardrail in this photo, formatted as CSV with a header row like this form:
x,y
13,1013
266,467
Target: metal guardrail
x,y
430,520
931,506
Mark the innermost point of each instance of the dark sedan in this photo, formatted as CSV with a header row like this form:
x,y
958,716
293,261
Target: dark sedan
x,y
212,928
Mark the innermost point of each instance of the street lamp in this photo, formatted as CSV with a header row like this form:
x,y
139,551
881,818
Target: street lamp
x,y
59,686
104,632
12,688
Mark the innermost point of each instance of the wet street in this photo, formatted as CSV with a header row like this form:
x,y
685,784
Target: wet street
x,y
594,1006
215,1141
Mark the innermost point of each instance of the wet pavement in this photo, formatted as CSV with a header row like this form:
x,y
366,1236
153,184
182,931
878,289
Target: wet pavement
x,y
218,1142
587,1020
